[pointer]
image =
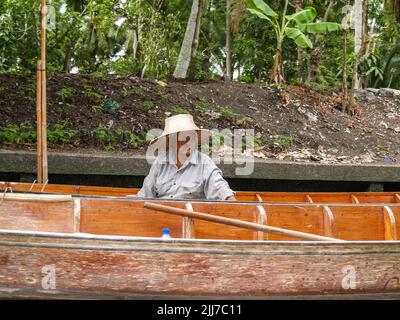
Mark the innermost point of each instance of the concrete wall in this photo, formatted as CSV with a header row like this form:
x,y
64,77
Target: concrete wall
x,y
98,168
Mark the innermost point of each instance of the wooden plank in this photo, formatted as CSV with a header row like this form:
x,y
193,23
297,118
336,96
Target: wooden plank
x,y
390,224
304,218
309,199
188,230
397,197
37,216
127,218
209,230
358,223
328,222
289,197
237,223
127,268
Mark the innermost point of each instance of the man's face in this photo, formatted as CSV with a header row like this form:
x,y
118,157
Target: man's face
x,y
183,141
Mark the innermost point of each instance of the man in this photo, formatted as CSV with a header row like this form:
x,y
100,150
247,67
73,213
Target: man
x,y
181,171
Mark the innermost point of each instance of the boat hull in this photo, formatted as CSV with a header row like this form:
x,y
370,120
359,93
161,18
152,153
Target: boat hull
x,y
56,265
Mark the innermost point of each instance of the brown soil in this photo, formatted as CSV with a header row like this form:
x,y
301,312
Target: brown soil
x,y
312,119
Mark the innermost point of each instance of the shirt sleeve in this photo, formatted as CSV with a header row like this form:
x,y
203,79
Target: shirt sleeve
x,y
216,187
147,190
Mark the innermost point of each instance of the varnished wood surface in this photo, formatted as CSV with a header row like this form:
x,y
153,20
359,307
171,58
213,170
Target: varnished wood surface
x,y
124,216
308,197
133,267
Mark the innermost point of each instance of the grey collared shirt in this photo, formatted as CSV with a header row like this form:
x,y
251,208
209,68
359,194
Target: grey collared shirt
x,y
198,178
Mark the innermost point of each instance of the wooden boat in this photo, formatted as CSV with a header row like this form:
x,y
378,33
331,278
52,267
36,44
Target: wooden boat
x,y
308,197
85,246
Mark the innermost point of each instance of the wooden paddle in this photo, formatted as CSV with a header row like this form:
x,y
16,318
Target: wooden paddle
x,y
238,223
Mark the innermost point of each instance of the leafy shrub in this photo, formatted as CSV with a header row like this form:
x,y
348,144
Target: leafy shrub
x,y
202,109
65,92
60,134
23,133
281,142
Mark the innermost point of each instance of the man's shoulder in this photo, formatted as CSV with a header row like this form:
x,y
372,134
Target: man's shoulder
x,y
205,160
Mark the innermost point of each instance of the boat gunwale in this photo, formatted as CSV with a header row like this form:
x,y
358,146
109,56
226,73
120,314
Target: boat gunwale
x,y
200,201
133,239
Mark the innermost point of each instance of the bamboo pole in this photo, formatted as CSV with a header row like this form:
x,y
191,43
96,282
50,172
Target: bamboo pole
x,y
43,83
239,223
39,121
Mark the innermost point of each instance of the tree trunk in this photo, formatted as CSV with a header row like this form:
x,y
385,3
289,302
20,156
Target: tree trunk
x,y
196,39
300,51
360,52
185,53
317,52
228,64
345,85
68,57
277,72
359,33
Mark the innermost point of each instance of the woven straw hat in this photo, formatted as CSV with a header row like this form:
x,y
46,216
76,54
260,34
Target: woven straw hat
x,y
182,123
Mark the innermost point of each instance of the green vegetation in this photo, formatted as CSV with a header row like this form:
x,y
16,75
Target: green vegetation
x,y
380,150
281,143
97,108
228,113
91,93
65,92
111,106
202,109
18,134
109,138
179,110
30,86
60,134
149,106
264,33
25,133
293,26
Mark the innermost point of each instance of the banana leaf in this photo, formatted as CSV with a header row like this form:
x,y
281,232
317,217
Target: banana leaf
x,y
299,37
262,7
320,27
304,16
259,14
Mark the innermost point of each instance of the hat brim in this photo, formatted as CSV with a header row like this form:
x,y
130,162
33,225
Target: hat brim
x,y
204,136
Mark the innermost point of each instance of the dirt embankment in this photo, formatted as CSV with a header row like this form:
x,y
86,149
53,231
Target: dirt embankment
x,y
87,113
